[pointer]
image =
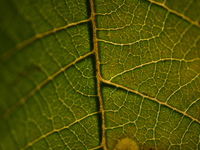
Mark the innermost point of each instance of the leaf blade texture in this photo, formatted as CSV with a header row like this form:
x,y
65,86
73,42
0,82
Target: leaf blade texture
x,y
88,74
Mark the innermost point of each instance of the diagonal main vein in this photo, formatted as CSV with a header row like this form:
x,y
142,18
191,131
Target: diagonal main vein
x,y
39,86
195,23
8,54
56,130
153,99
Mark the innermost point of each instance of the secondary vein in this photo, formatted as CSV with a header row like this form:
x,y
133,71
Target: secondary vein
x,y
8,54
21,101
151,98
195,23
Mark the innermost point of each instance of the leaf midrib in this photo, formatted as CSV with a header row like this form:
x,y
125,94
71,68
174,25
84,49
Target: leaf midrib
x,y
98,76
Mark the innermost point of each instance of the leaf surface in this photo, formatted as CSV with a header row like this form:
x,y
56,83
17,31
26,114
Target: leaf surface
x,y
87,74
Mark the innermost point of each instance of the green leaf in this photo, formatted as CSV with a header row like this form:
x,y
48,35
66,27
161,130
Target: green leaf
x,y
104,74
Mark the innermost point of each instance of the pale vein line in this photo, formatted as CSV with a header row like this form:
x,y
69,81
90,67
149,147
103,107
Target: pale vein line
x,y
151,98
8,54
122,27
111,11
182,87
184,135
98,147
192,104
57,130
98,74
149,63
20,102
195,23
121,44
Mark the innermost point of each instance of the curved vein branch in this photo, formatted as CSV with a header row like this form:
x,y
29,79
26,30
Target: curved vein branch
x,y
39,86
8,54
56,130
151,98
195,23
149,63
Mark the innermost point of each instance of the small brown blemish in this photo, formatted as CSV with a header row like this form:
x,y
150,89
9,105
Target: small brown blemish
x,y
126,144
